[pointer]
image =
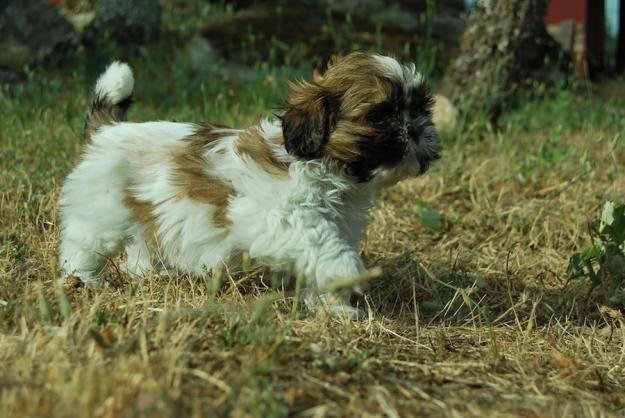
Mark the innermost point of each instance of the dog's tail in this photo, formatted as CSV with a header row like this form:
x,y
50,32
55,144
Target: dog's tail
x,y
111,98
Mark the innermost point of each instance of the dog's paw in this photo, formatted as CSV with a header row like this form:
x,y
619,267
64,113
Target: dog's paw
x,y
77,280
346,311
335,305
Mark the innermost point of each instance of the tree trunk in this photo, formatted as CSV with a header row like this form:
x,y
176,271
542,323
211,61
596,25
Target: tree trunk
x,y
504,48
595,38
620,54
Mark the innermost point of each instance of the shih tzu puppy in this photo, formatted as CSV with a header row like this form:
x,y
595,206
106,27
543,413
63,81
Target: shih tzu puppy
x,y
293,192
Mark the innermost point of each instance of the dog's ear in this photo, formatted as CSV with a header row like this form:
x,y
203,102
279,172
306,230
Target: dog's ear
x,y
308,120
317,77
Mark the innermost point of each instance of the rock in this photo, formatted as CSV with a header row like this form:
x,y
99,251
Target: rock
x,y
33,32
10,78
444,113
15,54
81,20
124,21
204,58
202,55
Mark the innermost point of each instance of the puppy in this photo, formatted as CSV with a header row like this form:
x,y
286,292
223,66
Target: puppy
x,y
292,192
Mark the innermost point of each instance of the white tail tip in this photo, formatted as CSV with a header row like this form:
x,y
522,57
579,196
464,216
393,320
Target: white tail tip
x,y
116,83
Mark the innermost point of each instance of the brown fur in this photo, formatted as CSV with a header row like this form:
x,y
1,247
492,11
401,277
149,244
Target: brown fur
x,y
358,81
100,114
355,87
344,143
143,212
251,143
190,174
206,134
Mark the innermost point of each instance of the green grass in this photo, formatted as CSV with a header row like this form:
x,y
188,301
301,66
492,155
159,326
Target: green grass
x,y
475,319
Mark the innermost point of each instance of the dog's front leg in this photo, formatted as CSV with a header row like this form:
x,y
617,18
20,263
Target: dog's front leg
x,y
330,266
319,249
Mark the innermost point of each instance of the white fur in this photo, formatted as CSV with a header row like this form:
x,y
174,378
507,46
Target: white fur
x,y
116,83
394,68
311,220
406,74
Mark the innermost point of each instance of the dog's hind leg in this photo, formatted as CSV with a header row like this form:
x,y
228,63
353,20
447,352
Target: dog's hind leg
x,y
85,248
140,258
94,219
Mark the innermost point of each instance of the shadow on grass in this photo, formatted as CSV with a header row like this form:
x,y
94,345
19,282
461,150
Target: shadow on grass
x,y
440,293
408,291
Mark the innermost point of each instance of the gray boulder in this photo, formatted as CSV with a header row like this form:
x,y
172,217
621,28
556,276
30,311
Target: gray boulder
x,y
124,21
202,55
11,78
34,32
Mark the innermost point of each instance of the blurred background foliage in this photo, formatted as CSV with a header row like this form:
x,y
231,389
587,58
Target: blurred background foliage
x,y
237,35
478,55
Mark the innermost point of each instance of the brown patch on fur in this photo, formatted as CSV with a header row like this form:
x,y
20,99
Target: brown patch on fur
x,y
191,174
205,135
277,139
253,144
102,113
143,213
344,143
338,101
361,82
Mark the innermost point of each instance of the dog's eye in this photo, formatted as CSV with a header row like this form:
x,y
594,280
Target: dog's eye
x,y
380,114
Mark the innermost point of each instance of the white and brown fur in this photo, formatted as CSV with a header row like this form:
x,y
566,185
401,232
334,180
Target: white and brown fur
x,y
292,192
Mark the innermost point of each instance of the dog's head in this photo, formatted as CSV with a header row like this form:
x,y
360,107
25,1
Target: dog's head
x,y
367,112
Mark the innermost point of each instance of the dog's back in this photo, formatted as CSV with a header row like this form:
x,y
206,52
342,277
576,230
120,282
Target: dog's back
x,y
292,192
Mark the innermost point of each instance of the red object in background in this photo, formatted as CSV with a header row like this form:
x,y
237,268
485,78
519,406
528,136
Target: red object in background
x,y
54,2
566,21
560,10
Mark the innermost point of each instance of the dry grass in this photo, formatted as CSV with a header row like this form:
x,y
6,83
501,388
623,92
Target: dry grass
x,y
475,320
